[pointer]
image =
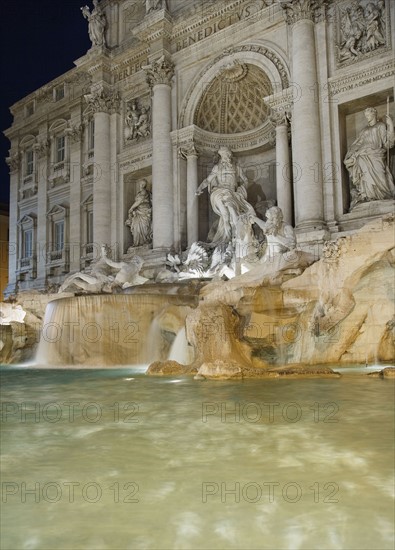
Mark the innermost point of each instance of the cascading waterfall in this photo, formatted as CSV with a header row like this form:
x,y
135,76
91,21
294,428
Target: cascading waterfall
x,y
107,329
180,350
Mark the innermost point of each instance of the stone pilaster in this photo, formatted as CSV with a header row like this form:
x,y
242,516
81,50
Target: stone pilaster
x,y
14,163
306,148
159,76
103,104
42,152
280,119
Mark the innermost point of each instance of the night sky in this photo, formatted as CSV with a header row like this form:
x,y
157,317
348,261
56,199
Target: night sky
x,y
39,40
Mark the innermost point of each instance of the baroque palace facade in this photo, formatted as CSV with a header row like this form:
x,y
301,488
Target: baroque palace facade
x,y
283,84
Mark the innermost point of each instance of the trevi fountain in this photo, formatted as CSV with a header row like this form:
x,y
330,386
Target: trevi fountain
x,y
224,379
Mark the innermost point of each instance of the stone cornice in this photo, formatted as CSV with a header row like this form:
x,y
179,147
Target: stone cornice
x,y
360,78
208,142
218,11
130,57
281,101
298,10
158,24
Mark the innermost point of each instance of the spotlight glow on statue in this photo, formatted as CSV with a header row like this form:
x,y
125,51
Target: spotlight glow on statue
x,y
227,195
371,179
97,23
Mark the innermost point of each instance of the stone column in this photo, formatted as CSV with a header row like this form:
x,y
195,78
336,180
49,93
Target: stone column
x,y
191,155
159,76
306,147
103,104
75,134
283,167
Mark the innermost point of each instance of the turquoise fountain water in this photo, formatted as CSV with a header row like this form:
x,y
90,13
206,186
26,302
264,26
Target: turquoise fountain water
x,y
105,459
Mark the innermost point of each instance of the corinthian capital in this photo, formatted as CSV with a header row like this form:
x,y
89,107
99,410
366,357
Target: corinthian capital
x,y
160,71
280,117
102,101
296,10
189,150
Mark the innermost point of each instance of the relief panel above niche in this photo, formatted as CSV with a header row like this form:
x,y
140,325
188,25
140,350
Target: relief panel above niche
x,y
363,30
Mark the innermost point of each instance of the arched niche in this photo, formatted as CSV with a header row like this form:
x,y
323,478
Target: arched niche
x,y
262,56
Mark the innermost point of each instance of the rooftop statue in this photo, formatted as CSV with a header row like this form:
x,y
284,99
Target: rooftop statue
x,y
153,5
228,195
371,179
97,23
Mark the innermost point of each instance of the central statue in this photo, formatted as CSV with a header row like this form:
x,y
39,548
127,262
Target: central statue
x,y
228,196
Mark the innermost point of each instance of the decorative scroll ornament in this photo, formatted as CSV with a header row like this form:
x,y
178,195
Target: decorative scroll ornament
x,y
14,161
296,10
102,101
160,71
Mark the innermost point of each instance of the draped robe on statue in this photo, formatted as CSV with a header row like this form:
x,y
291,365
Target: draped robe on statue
x,y
366,163
228,199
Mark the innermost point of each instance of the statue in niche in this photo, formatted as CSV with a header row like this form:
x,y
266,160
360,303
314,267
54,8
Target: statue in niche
x,y
371,179
153,5
137,122
97,23
106,275
362,30
140,217
228,196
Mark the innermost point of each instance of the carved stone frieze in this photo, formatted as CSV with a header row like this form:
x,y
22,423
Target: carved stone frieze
x,y
160,71
207,142
361,78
